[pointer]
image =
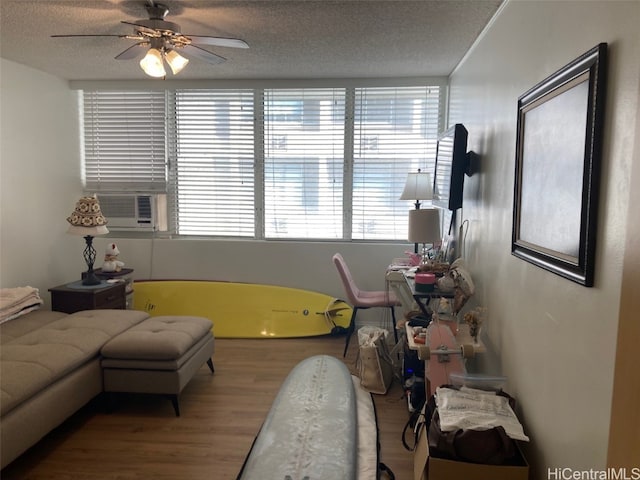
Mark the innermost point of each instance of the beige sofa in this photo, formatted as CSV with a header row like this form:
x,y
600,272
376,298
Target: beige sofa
x,y
49,368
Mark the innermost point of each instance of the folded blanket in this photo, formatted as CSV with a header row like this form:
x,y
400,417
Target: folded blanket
x,y
473,409
18,301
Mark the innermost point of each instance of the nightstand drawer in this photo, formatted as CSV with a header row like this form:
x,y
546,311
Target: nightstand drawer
x,y
119,303
69,300
111,296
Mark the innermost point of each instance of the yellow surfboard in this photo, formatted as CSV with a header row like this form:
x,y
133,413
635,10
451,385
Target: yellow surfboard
x,y
245,310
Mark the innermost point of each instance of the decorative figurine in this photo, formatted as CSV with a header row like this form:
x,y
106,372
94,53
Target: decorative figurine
x,y
111,263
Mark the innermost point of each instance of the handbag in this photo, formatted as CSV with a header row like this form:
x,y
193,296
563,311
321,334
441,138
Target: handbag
x,y
374,363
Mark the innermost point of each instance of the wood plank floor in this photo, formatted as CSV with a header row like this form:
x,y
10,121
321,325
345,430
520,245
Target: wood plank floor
x,y
220,416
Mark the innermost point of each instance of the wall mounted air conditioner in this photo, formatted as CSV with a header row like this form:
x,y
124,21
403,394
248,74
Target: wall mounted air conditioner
x,y
134,211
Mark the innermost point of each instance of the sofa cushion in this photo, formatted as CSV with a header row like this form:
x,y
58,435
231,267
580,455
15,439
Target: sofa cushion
x,y
31,362
20,326
158,338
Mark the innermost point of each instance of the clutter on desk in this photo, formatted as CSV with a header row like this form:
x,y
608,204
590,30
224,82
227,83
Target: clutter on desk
x,y
449,278
419,320
437,268
420,335
446,284
414,259
401,263
425,282
464,286
444,309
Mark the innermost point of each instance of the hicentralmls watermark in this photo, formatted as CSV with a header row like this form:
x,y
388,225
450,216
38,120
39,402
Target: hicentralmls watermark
x,y
560,473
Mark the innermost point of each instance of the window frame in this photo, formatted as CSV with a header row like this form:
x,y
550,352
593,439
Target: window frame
x,y
259,87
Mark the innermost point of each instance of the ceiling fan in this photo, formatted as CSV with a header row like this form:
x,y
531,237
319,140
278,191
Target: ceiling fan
x,y
162,41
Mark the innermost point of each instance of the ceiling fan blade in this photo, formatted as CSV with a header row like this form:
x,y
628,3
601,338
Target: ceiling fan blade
x,y
88,35
133,51
201,54
142,28
218,41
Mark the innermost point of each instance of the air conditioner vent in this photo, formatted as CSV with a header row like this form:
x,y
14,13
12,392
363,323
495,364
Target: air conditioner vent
x,y
118,206
145,210
128,211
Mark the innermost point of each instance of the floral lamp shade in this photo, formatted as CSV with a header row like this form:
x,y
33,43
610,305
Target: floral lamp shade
x,y
87,218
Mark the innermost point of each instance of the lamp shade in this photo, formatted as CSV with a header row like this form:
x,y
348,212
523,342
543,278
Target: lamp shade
x,y
418,187
84,231
424,226
152,63
87,218
176,61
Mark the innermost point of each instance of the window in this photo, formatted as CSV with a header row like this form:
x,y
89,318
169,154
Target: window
x,y
395,132
297,163
303,163
211,158
124,141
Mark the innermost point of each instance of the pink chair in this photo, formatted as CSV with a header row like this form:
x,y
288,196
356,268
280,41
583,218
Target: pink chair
x,y
361,299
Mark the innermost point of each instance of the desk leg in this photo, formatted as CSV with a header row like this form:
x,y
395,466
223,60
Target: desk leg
x,y
423,305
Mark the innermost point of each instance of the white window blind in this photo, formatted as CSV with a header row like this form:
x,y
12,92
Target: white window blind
x,y
304,133
124,141
395,132
212,162
303,163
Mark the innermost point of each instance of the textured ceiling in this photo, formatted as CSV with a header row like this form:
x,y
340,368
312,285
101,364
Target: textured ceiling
x,y
288,39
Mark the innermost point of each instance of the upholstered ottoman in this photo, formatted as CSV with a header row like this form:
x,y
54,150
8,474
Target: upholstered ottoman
x,y
159,355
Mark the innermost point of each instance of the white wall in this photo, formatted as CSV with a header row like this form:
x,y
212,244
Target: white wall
x,y
624,436
555,339
306,265
40,179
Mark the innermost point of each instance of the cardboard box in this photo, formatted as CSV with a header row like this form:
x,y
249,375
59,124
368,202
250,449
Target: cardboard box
x,y
426,467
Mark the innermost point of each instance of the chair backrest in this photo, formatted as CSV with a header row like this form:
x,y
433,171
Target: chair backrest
x,y
350,287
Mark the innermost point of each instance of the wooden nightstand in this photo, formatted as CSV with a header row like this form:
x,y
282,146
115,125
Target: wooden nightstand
x,y
124,275
67,299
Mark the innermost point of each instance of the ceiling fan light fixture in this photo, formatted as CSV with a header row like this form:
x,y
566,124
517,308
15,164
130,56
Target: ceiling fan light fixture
x,y
152,63
176,61
163,40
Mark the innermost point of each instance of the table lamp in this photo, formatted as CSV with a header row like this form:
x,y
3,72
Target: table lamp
x,y
424,227
87,220
418,187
